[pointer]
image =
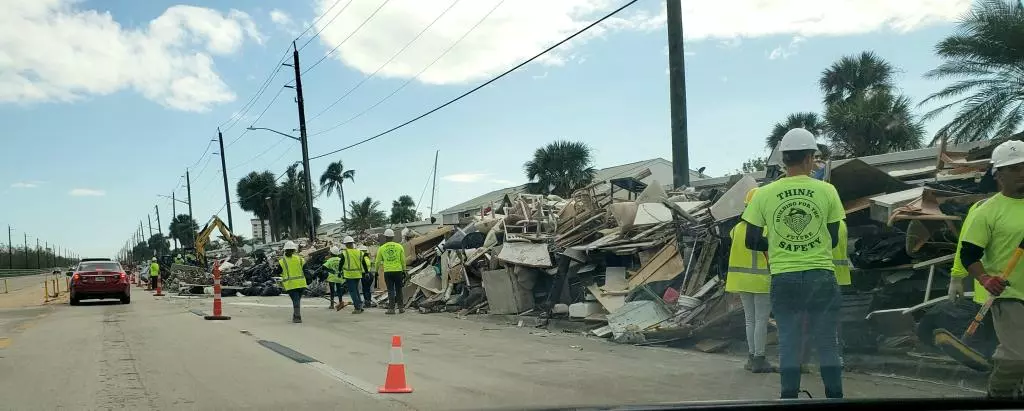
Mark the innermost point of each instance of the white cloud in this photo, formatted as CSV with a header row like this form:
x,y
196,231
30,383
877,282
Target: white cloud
x,y
784,52
53,50
25,184
87,192
280,17
465,177
519,29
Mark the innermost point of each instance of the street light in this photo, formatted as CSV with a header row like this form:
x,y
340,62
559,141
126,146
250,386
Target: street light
x,y
309,178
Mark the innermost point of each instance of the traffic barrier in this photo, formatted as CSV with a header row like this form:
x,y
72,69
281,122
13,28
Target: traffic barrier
x,y
217,309
158,292
395,382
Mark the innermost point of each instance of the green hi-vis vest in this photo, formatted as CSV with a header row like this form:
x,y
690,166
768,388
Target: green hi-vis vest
x,y
748,269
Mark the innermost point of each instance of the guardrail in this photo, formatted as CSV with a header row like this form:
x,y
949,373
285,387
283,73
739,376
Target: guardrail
x,y
27,271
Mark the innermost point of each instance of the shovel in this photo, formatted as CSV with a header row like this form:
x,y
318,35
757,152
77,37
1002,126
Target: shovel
x,y
956,348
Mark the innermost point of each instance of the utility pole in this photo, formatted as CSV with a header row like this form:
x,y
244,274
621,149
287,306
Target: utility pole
x,y
10,249
158,229
433,187
677,95
149,222
270,218
188,186
305,145
174,215
224,168
39,262
26,250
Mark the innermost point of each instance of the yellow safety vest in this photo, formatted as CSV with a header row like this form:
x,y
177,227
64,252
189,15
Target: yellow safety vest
x,y
292,276
748,269
154,270
959,271
333,265
353,268
391,256
840,258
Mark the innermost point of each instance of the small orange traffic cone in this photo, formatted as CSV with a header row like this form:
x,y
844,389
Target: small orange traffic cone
x,y
159,292
395,382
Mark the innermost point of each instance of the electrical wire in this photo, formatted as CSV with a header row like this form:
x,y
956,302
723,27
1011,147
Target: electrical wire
x,y
400,51
329,53
259,92
475,89
264,152
413,78
315,35
203,170
262,113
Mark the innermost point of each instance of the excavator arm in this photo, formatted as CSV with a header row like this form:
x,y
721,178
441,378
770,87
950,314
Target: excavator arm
x,y
204,237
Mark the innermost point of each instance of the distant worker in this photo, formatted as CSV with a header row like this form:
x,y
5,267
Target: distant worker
x,y
178,259
334,280
992,237
801,217
369,277
353,267
391,256
292,278
748,276
154,273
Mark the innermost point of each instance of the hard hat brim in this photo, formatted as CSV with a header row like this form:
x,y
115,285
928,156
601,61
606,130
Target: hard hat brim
x,y
1009,162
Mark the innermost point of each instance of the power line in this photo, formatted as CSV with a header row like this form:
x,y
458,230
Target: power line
x,y
360,26
314,36
413,78
207,150
259,92
262,113
400,51
473,90
281,140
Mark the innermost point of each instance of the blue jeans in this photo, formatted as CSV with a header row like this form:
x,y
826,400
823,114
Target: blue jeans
x,y
814,294
353,291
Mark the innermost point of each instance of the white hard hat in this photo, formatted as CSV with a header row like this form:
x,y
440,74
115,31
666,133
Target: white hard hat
x,y
348,239
152,259
290,245
798,139
389,233
1008,154
363,248
335,250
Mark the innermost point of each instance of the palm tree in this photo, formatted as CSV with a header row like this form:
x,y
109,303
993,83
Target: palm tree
x,y
403,210
252,191
806,120
158,243
986,56
183,228
365,215
333,179
559,168
873,125
854,76
862,114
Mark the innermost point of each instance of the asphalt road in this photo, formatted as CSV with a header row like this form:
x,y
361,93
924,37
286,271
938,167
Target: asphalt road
x,y
157,353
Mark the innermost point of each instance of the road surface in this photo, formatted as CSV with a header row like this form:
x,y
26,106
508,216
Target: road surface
x,y
158,353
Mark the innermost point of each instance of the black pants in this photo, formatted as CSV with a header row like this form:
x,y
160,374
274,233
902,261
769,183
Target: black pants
x,y
367,285
296,296
394,280
152,282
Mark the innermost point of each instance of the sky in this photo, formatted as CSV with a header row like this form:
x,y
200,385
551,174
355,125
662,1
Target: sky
x,y
107,103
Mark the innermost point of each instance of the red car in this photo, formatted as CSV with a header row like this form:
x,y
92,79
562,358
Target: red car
x,y
100,279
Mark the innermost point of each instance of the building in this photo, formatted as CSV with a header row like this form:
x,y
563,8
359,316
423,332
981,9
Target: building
x,y
661,171
260,230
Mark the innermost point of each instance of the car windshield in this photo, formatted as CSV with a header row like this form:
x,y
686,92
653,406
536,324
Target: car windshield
x,y
99,266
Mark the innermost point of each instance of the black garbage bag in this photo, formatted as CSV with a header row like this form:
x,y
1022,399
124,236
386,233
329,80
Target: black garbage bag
x,y
253,291
955,317
272,291
880,250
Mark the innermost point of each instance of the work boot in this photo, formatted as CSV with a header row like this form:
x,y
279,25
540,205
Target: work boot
x,y
297,319
750,363
332,306
357,311
761,366
390,311
401,311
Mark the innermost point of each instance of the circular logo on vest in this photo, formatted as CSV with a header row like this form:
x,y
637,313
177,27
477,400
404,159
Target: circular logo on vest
x,y
798,221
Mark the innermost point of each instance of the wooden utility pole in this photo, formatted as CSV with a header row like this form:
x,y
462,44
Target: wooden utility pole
x,y
224,169
677,94
303,139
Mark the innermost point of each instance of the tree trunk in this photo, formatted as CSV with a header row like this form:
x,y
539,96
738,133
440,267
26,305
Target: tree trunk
x,y
344,212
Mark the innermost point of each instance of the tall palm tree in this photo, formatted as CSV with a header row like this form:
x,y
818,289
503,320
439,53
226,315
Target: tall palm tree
x,y
333,179
365,215
863,116
805,120
252,191
853,76
986,56
559,168
183,228
403,210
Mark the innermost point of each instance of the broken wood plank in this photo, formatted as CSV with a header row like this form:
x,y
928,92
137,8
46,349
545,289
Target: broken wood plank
x,y
666,265
609,302
711,345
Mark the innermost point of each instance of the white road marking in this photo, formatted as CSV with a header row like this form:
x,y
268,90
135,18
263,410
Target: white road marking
x,y
339,375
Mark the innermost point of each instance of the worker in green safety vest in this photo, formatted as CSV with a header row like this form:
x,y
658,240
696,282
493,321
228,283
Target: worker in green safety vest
x,y
334,280
353,265
292,278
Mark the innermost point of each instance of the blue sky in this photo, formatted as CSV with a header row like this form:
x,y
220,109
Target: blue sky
x,y
106,109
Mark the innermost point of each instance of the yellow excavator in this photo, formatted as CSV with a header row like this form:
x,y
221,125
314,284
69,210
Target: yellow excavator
x,y
204,237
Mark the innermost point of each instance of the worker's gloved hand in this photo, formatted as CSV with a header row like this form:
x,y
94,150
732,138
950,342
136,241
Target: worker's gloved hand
x,y
956,288
994,285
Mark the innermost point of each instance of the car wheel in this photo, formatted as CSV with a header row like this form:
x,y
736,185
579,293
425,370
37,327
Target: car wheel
x,y
73,301
126,299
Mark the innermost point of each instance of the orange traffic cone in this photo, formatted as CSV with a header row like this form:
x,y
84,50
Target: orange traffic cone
x,y
395,382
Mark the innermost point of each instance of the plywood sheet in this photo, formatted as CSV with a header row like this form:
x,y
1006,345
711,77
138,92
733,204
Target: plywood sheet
x,y
666,265
731,203
609,302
